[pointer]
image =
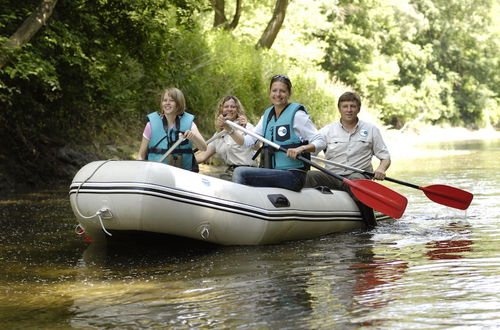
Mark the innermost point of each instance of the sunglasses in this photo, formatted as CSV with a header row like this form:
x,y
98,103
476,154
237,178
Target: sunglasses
x,y
280,76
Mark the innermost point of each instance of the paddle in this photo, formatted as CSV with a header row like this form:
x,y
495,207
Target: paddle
x,y
216,136
172,148
439,193
368,192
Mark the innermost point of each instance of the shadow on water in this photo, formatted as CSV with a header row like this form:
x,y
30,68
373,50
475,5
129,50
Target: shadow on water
x,y
135,250
286,285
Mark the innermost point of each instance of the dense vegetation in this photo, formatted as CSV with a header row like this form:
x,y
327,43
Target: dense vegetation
x,y
87,78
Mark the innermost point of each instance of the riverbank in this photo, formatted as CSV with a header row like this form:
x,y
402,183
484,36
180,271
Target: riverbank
x,y
411,144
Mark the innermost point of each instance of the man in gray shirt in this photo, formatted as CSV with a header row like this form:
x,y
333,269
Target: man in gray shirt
x,y
351,141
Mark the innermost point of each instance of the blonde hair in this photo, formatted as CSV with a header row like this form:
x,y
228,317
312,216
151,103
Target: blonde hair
x,y
220,105
178,96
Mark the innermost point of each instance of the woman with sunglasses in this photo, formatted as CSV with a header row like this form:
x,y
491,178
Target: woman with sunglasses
x,y
284,123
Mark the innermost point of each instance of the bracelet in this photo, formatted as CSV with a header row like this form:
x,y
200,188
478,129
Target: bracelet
x,y
231,131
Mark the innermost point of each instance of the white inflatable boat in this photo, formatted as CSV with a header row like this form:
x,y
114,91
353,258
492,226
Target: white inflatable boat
x,y
130,195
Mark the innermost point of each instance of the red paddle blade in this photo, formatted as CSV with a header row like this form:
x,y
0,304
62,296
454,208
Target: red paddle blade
x,y
378,197
449,196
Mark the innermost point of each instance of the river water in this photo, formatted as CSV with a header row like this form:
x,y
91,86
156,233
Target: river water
x,y
435,268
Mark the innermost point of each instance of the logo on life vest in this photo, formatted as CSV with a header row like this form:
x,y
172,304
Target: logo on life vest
x,y
363,132
282,131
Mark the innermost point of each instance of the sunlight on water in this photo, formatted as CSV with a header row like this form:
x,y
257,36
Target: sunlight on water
x,y
436,268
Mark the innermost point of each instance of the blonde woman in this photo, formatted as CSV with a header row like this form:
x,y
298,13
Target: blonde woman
x,y
232,154
162,131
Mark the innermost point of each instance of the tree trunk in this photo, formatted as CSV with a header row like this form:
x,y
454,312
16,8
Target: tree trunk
x,y
274,25
219,15
29,27
236,17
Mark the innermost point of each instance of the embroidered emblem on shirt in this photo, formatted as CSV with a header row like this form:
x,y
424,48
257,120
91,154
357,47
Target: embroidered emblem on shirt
x,y
363,132
282,131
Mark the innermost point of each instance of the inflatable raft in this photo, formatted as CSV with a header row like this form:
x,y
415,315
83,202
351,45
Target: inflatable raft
x,y
132,195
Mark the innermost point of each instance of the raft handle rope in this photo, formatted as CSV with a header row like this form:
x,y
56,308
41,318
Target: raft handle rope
x,y
103,212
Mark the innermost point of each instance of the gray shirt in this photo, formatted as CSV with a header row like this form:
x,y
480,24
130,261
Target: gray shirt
x,y
354,149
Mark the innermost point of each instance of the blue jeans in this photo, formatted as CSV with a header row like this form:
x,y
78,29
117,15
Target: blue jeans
x,y
266,177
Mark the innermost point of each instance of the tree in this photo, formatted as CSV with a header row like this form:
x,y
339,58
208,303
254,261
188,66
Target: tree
x,y
274,25
29,27
433,61
220,14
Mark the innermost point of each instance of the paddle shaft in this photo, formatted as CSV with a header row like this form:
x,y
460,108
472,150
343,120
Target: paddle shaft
x,y
371,174
172,148
216,136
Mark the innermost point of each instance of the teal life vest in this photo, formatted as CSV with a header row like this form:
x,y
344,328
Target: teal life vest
x,y
163,137
281,132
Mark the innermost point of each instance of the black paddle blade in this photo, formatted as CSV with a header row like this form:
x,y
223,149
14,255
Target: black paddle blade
x,y
378,197
449,196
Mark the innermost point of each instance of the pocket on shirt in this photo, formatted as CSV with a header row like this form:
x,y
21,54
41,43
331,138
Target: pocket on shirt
x,y
336,143
362,143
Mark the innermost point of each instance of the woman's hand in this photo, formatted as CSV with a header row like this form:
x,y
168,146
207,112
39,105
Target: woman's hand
x,y
242,121
188,135
221,123
294,152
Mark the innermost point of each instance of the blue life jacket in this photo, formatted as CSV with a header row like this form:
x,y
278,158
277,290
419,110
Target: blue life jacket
x,y
162,138
281,132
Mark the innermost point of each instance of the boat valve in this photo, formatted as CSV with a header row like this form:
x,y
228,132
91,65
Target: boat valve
x,y
205,232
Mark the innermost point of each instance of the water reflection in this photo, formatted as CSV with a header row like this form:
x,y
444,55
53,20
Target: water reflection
x,y
451,248
286,285
436,267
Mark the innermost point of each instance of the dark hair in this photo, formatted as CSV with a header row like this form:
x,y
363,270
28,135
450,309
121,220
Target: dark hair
x,y
283,79
349,96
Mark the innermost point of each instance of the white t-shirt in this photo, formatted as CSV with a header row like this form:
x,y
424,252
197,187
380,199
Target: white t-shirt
x,y
231,152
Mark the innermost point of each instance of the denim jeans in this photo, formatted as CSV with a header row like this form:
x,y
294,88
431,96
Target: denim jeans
x,y
266,177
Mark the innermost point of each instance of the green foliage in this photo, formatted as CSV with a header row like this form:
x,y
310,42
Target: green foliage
x,y
396,53
228,68
98,67
91,74
95,59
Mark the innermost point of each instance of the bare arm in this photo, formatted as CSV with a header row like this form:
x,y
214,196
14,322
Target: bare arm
x,y
235,135
143,149
379,173
294,152
194,136
205,155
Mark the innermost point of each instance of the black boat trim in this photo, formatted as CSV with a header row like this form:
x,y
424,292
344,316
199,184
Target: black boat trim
x,y
192,198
